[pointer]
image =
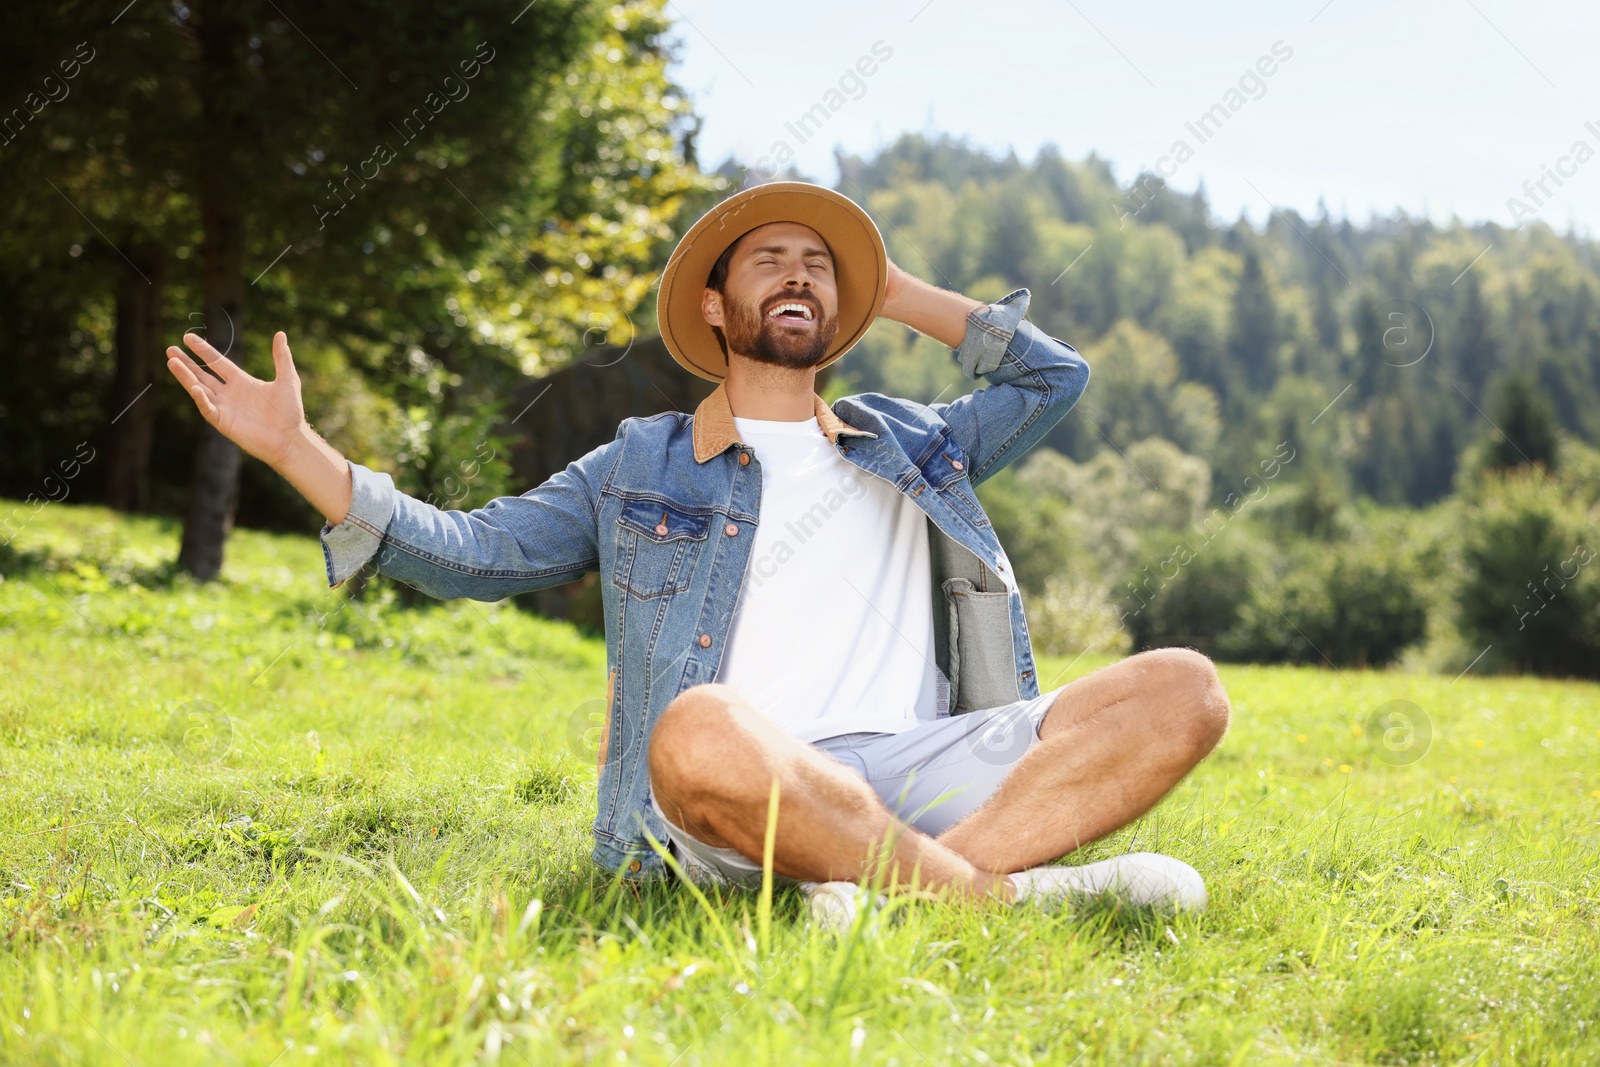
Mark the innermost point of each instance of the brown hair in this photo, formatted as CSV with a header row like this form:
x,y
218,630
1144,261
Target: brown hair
x,y
718,280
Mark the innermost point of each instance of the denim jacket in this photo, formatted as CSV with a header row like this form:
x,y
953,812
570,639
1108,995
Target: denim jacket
x,y
666,513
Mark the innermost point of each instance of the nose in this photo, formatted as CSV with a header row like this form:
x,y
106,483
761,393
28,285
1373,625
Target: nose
x,y
798,277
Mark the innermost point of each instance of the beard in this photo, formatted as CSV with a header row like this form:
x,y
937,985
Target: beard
x,y
750,333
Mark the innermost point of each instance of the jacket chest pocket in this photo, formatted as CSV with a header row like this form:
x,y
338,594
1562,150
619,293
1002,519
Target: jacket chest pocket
x,y
945,470
657,547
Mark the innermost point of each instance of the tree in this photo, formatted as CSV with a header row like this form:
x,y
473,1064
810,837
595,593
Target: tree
x,y
353,157
1253,343
1531,588
56,174
1525,426
1476,354
1138,394
569,269
140,337
263,110
1371,355
1325,313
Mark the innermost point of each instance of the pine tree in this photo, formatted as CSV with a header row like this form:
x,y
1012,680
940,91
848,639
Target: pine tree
x,y
1476,354
1526,424
1253,343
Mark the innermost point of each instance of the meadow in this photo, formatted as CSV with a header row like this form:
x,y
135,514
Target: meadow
x,y
256,822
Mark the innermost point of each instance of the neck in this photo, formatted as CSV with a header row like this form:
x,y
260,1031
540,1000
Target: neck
x,y
773,394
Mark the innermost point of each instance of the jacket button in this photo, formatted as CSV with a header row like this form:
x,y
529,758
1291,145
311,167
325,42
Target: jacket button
x,y
732,529
744,459
662,529
956,463
634,866
705,640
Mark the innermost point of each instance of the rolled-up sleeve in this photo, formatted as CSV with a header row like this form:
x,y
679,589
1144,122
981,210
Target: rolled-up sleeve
x,y
989,332
348,545
1034,380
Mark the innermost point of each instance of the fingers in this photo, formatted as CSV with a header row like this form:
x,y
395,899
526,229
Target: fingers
x,y
202,400
179,365
282,360
224,367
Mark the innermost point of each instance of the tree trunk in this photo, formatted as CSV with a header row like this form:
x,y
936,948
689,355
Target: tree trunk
x,y
214,486
139,355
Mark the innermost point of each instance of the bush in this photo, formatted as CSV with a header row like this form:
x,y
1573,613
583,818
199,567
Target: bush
x,y
1351,607
1085,521
1531,588
1114,499
1035,529
1073,615
1192,593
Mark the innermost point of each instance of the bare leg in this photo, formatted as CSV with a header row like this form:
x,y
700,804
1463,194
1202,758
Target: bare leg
x,y
1112,745
713,757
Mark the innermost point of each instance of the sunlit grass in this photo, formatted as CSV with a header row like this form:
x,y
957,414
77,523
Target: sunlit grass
x,y
252,823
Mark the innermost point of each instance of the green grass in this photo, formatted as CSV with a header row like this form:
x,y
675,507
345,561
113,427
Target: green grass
x,y
368,842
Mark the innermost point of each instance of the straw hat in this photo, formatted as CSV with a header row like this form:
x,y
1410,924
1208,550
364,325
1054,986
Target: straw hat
x,y
860,264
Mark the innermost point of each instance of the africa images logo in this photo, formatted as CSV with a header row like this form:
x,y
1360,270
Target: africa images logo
x,y
852,85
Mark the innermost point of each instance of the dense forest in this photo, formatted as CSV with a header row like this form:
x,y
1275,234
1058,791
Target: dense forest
x,y
1316,442
1218,337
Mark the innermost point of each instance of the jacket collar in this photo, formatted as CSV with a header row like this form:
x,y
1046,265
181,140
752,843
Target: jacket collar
x,y
714,429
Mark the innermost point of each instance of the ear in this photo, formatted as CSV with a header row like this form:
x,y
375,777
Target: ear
x,y
711,307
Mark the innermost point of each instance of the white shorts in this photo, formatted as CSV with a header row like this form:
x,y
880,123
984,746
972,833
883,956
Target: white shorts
x,y
931,776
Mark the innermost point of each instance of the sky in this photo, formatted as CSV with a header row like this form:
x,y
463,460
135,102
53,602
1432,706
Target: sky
x,y
1442,108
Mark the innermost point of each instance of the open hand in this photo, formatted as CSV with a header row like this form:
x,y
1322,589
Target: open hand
x,y
263,418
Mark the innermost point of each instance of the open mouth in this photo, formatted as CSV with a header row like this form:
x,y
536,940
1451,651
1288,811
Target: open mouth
x,y
791,311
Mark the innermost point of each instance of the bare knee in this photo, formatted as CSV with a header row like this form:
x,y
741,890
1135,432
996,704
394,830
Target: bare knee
x,y
696,745
1199,707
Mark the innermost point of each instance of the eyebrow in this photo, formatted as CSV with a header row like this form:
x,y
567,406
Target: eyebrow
x,y
811,251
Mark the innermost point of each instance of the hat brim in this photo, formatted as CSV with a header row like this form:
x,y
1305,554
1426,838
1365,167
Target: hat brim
x,y
861,267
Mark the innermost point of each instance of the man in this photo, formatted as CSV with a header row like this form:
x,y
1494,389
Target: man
x,y
798,594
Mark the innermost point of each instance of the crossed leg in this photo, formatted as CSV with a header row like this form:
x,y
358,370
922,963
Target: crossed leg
x,y
1112,744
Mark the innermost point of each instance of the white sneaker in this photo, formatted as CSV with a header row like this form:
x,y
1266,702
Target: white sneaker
x,y
1147,878
834,904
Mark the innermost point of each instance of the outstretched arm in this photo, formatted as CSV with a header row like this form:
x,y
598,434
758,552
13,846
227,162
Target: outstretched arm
x,y
267,420
546,536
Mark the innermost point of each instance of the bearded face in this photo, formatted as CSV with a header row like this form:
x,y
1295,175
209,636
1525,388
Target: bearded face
x,y
789,329
778,302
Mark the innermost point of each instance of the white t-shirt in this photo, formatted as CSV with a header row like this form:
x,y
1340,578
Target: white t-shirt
x,y
833,632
